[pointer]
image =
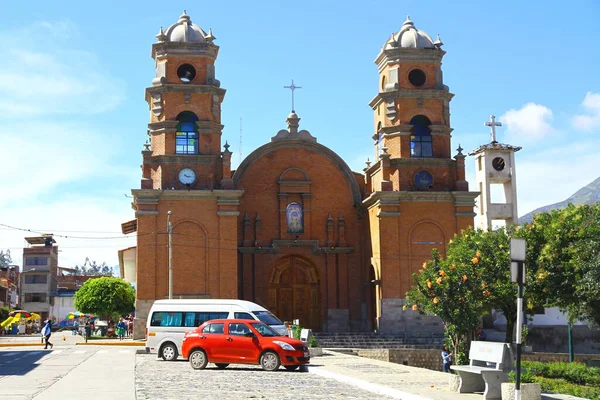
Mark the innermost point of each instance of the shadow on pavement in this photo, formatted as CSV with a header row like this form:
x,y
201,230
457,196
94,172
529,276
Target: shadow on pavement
x,y
13,363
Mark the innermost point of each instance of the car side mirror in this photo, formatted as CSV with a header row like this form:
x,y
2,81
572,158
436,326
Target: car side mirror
x,y
251,335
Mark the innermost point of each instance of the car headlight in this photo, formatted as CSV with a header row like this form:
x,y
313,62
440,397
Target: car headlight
x,y
284,345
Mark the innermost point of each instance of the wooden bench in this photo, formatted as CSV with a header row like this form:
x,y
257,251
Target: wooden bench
x,y
489,367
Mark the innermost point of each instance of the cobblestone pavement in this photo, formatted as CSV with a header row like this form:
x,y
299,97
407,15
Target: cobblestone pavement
x,y
157,379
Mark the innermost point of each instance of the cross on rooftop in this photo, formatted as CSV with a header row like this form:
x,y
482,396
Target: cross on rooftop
x,y
493,124
292,87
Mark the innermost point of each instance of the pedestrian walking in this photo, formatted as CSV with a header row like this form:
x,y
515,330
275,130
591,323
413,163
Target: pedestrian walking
x,y
121,328
46,333
446,359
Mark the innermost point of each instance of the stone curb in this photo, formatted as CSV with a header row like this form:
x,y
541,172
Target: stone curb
x,y
94,343
91,343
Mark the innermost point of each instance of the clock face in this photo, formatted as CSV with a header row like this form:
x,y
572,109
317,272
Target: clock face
x,y
187,176
498,163
423,180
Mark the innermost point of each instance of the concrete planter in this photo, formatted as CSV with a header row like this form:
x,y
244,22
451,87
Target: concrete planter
x,y
453,382
529,391
315,351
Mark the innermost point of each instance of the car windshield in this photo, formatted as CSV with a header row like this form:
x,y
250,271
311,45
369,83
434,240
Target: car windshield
x,y
265,330
267,318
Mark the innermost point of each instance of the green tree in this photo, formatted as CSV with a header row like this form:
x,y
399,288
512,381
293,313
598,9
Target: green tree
x,y
4,310
471,280
566,252
105,296
5,258
93,268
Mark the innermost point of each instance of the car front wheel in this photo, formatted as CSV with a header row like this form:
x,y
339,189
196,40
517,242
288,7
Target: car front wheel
x,y
270,361
198,359
169,352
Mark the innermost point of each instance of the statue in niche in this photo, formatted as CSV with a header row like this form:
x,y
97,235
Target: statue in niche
x,y
294,218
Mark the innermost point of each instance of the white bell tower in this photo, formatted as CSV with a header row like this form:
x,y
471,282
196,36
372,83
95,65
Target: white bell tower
x,y
495,174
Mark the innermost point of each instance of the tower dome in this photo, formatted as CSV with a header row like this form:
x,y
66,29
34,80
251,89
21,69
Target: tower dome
x,y
410,37
185,31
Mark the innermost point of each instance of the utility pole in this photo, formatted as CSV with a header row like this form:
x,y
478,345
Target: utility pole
x,y
517,269
170,232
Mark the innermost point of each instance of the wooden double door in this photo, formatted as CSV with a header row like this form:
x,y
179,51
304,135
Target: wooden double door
x,y
294,292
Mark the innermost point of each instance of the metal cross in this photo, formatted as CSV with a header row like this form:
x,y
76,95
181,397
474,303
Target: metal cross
x,y
493,124
292,87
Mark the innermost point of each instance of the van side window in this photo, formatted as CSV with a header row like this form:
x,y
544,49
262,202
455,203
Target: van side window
x,y
202,317
243,315
213,328
189,319
186,319
163,318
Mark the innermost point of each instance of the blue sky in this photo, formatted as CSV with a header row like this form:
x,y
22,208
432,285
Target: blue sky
x,y
74,118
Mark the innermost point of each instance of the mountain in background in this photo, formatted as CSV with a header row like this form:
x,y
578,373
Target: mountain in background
x,y
589,194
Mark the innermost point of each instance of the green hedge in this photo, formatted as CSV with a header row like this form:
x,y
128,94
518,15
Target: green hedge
x,y
574,372
565,378
562,386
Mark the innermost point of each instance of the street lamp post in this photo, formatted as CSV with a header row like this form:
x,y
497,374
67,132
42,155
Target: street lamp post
x,y
170,231
517,258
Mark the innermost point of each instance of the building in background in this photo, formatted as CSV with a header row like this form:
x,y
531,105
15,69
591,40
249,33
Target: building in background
x,y
9,281
38,279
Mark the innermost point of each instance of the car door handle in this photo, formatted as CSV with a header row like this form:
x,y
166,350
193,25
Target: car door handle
x,y
202,337
229,339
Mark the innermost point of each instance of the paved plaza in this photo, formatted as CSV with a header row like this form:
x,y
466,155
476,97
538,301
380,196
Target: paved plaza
x,y
122,371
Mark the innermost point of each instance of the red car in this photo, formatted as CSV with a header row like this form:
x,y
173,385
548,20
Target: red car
x,y
242,341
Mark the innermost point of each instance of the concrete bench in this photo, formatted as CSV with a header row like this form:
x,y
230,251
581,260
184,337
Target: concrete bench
x,y
489,365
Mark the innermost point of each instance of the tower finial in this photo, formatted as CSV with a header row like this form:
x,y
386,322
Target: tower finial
x,y
493,124
292,87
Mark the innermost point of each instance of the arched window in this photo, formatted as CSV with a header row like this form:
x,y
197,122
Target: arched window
x,y
186,141
420,139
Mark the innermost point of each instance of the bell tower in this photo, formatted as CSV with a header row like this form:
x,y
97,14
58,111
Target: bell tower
x,y
417,192
186,208
185,112
495,174
412,118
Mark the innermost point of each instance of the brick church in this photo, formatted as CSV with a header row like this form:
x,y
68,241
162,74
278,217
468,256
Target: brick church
x,y
293,228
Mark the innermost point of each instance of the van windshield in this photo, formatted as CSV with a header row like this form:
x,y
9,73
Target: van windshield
x,y
265,330
267,318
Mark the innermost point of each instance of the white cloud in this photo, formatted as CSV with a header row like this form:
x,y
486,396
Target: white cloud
x,y
529,123
589,121
56,171
40,78
81,216
547,177
33,166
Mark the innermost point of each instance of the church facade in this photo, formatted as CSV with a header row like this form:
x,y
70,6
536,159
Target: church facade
x,y
293,228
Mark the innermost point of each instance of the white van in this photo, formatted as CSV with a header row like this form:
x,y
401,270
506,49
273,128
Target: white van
x,y
168,320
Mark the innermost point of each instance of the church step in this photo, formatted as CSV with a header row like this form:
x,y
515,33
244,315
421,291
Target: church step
x,y
374,340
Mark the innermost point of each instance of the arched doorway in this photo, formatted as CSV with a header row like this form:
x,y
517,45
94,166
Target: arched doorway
x,y
294,292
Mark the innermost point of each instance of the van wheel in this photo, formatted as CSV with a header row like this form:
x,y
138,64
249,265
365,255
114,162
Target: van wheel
x,y
221,366
198,359
291,367
269,361
169,352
